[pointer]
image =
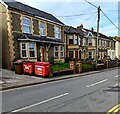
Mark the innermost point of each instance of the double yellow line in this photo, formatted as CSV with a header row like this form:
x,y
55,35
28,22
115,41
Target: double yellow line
x,y
114,110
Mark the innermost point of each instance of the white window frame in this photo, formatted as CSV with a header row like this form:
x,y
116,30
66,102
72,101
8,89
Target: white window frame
x,y
57,32
42,29
26,25
62,51
56,51
32,49
24,50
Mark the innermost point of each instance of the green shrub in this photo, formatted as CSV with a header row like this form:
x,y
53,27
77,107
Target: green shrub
x,y
87,67
60,66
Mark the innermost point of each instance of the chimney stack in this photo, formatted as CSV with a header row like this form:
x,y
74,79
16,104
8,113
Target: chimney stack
x,y
80,27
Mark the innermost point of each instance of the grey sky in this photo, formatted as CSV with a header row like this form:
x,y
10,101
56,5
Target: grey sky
x,y
69,7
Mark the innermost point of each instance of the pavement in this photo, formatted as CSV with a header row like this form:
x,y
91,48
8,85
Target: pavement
x,y
11,80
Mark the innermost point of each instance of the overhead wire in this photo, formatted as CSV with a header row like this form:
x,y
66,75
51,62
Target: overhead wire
x,y
77,14
103,14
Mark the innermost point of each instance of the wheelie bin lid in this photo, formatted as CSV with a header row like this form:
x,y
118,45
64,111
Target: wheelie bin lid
x,y
42,63
28,61
19,61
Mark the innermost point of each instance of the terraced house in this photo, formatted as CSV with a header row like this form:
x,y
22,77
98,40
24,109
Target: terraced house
x,y
106,45
30,34
76,43
81,44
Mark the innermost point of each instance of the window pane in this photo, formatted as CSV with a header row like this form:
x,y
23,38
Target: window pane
x,y
32,54
26,21
23,46
57,32
76,40
42,28
42,25
31,46
56,54
23,53
56,48
61,48
26,29
61,54
70,39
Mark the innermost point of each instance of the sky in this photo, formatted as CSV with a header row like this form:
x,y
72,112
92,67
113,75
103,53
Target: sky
x,y
74,13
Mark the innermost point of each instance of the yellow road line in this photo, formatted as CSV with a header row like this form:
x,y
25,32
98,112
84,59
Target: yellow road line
x,y
116,110
112,109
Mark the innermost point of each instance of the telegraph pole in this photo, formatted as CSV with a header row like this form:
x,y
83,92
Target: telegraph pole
x,y
98,21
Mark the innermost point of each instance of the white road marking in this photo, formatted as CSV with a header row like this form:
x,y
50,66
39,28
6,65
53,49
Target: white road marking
x,y
97,83
33,105
117,76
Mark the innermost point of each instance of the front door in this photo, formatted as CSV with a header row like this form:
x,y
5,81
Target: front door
x,y
80,54
38,53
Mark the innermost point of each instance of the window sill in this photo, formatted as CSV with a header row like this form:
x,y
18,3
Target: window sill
x,y
33,58
24,57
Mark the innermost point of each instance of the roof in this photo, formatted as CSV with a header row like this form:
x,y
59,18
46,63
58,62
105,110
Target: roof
x,y
95,33
30,10
72,30
42,39
117,39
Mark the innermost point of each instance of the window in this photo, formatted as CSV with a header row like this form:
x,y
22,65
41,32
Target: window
x,y
32,49
61,51
26,25
76,40
70,39
57,32
24,50
99,42
84,42
90,39
56,51
42,28
76,54
102,42
71,54
90,55
105,43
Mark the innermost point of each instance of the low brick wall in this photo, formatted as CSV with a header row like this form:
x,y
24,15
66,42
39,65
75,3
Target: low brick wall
x,y
63,72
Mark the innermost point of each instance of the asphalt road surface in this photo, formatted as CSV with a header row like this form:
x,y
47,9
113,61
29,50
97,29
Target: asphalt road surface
x,y
90,93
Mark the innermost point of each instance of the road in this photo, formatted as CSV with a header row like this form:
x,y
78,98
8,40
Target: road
x,y
90,93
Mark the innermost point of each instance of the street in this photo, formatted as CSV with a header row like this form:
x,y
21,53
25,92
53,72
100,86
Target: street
x,y
91,93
